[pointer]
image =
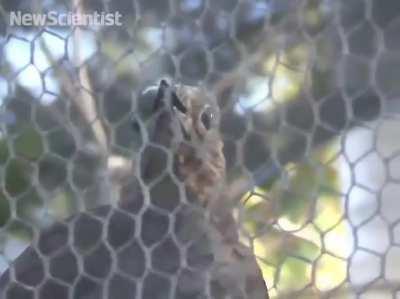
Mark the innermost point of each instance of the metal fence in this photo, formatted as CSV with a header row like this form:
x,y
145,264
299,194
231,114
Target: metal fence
x,y
308,100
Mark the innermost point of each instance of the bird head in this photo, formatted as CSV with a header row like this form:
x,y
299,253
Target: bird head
x,y
182,123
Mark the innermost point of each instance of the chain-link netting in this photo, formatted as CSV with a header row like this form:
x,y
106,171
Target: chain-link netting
x,y
199,149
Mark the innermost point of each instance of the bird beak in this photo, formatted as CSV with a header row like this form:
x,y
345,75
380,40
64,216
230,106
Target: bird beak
x,y
179,110
162,91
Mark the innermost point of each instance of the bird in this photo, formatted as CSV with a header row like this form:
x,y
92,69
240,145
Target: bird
x,y
171,234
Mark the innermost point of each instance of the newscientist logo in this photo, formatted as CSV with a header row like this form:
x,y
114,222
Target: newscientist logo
x,y
54,18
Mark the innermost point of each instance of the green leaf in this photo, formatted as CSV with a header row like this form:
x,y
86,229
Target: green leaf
x,y
4,153
17,179
29,144
5,212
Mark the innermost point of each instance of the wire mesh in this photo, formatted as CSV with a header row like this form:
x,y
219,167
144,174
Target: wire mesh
x,y
306,95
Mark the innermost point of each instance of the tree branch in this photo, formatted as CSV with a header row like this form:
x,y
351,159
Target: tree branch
x,y
85,100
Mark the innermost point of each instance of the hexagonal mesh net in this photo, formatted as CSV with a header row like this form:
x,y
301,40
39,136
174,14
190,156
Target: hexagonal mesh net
x,y
199,149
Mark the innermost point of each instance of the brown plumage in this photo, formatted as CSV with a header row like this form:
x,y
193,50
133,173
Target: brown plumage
x,y
191,240
202,165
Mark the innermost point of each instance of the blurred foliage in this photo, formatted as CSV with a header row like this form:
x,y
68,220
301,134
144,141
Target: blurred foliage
x,y
4,153
17,177
290,248
5,211
28,144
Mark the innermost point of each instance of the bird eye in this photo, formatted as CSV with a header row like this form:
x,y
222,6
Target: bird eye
x,y
207,118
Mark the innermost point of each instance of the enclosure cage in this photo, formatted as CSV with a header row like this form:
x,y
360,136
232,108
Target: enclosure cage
x,y
303,106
